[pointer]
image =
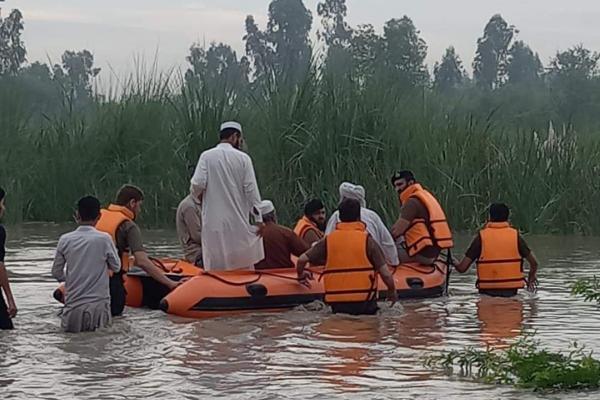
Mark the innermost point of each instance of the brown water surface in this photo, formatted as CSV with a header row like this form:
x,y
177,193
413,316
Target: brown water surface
x,y
304,353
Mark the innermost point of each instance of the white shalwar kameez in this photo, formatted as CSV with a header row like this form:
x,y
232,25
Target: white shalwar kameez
x,y
225,177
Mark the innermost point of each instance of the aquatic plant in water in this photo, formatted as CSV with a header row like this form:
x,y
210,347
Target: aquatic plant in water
x,y
524,364
588,288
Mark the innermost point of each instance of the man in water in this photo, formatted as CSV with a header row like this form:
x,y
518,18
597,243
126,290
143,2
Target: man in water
x,y
8,309
280,242
422,222
311,226
225,183
352,260
500,250
188,221
86,253
118,220
372,220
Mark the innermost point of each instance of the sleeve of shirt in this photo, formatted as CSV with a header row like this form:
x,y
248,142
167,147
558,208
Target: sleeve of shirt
x,y
386,242
134,238
194,224
474,250
58,265
524,249
410,210
251,190
297,246
2,243
112,256
200,177
317,255
374,253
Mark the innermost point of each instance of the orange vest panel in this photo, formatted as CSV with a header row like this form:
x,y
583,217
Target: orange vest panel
x,y
110,220
421,233
349,275
500,266
304,225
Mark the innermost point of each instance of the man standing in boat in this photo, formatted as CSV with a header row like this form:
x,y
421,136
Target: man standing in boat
x,y
500,250
225,183
352,260
422,222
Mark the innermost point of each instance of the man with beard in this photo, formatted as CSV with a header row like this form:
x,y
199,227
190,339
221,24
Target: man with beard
x,y
225,184
311,226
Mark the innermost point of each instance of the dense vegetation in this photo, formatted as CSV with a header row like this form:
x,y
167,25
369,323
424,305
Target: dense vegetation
x,y
364,106
524,364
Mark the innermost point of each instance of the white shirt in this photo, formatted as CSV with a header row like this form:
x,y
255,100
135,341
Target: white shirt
x,y
87,253
225,177
376,229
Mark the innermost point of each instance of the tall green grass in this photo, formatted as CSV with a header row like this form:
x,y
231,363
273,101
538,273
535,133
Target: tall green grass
x,y
305,139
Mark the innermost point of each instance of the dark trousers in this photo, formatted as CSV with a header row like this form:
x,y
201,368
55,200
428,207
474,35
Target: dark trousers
x,y
5,321
499,292
118,294
355,308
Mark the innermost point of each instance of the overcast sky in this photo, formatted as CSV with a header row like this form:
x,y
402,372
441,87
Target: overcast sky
x,y
118,31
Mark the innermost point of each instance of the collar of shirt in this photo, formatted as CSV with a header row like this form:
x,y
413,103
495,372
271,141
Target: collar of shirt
x,y
225,146
85,228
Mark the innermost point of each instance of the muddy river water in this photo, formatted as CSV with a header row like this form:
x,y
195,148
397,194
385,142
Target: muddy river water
x,y
305,353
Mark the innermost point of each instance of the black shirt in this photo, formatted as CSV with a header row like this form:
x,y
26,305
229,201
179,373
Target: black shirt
x,y
2,243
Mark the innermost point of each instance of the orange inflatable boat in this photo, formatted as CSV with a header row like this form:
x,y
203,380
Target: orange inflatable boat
x,y
213,294
142,290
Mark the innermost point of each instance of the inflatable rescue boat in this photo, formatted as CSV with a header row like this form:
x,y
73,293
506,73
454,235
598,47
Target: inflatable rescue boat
x,y
142,290
212,294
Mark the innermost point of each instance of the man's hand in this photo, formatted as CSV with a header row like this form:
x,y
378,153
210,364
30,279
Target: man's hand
x,y
11,308
260,229
304,278
532,284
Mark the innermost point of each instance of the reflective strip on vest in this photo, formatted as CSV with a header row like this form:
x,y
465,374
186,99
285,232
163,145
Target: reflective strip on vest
x,y
500,266
349,275
423,233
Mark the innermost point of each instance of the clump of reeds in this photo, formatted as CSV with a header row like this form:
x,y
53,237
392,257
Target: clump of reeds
x,y
588,288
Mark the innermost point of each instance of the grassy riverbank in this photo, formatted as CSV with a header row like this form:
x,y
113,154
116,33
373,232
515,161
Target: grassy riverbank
x,y
469,148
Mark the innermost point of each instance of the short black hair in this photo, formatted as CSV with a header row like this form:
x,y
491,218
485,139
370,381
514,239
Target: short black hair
x,y
499,212
88,208
2,194
349,210
127,193
404,174
227,133
312,206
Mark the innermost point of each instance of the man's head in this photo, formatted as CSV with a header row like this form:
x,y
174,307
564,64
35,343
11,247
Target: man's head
x,y
267,210
131,197
403,179
349,210
499,212
351,191
231,132
2,207
88,210
314,210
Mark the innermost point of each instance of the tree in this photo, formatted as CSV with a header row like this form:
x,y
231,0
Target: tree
x,y
12,49
524,66
76,73
288,32
367,49
218,63
405,51
491,58
336,32
258,48
576,62
449,73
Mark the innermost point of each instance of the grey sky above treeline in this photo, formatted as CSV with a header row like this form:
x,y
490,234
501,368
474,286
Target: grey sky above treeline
x,y
117,32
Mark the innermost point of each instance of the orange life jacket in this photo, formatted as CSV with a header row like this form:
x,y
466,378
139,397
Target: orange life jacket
x,y
424,233
349,275
500,266
304,225
110,220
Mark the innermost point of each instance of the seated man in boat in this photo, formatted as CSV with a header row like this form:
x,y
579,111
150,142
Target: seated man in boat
x,y
188,222
372,220
280,242
499,251
86,253
422,222
352,260
311,226
118,220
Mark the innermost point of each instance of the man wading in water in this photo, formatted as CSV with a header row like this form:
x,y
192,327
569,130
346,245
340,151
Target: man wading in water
x,y
10,311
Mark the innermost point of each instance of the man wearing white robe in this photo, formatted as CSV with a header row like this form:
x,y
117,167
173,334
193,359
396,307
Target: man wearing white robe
x,y
225,181
375,225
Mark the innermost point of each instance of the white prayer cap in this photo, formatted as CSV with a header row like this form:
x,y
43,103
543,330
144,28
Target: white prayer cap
x,y
231,124
351,191
266,207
